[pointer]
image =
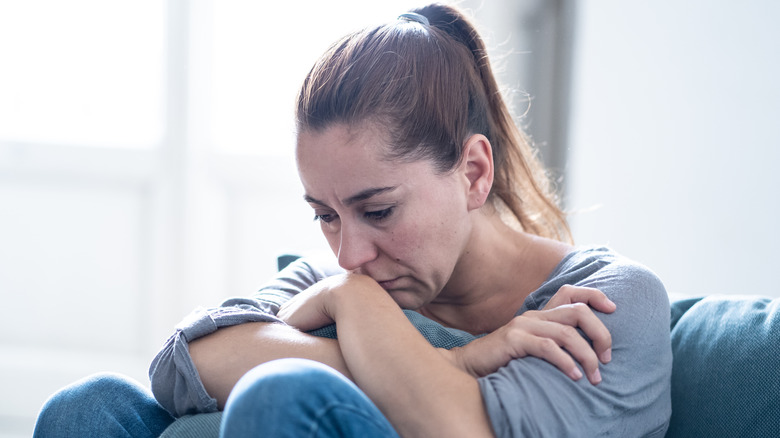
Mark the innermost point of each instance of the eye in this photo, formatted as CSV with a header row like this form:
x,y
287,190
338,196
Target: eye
x,y
327,218
379,215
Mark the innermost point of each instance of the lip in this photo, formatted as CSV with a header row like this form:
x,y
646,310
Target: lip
x,y
389,284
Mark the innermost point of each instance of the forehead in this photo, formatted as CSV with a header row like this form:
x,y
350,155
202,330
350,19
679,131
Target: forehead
x,y
341,149
341,160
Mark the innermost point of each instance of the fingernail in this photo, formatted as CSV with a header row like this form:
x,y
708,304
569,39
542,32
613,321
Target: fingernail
x,y
576,374
596,377
606,356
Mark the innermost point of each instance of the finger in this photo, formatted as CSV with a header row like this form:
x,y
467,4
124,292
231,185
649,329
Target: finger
x,y
303,314
580,315
567,337
563,337
569,294
595,330
549,350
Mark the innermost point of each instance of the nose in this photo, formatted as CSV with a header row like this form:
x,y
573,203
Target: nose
x,y
356,247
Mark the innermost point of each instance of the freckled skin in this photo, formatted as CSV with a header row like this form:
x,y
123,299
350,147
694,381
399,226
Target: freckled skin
x,y
418,244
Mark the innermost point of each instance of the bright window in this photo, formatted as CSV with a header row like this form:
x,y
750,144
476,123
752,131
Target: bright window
x,y
83,72
263,51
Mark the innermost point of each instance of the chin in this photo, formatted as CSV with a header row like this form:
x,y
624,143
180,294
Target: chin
x,y
406,299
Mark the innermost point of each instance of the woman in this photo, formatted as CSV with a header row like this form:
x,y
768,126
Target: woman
x,y
432,201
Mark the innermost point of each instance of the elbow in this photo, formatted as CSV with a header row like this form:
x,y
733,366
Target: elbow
x,y
175,381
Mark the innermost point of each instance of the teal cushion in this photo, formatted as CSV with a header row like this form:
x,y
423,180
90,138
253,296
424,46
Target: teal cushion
x,y
194,426
726,372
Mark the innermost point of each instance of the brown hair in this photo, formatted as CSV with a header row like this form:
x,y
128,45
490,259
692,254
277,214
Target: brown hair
x,y
430,87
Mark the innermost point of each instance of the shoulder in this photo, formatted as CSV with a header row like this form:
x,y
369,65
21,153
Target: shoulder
x,y
594,261
602,268
635,391
639,294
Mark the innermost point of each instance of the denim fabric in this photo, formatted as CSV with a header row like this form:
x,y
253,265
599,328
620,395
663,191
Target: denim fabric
x,y
299,398
102,405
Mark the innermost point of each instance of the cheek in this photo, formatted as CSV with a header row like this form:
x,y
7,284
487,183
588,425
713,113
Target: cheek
x,y
333,240
445,235
399,243
430,250
421,242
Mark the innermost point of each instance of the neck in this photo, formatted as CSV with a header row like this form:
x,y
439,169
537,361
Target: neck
x,y
496,272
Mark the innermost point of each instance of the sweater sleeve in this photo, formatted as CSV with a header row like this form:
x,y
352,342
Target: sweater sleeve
x,y
174,379
531,397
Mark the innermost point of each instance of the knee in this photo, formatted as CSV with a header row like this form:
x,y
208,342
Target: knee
x,y
93,391
283,381
95,401
296,397
301,371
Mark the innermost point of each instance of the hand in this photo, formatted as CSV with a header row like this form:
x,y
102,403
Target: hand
x,y
309,309
568,294
547,334
315,307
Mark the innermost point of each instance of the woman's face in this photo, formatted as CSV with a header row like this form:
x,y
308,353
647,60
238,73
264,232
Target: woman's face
x,y
400,223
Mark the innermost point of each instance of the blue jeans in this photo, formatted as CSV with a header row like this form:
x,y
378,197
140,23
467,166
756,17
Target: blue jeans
x,y
302,399
103,405
282,398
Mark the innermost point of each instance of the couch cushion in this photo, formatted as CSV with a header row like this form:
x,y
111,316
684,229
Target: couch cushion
x,y
195,426
726,372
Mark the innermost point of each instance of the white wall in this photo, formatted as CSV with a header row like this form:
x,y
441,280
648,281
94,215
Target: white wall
x,y
676,139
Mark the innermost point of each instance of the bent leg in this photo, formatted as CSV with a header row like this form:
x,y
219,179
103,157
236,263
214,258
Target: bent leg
x,y
102,405
303,399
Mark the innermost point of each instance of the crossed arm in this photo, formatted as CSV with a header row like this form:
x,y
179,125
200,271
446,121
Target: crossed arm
x,y
422,390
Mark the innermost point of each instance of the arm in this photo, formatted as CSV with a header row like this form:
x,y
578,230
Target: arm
x,y
549,334
175,379
421,389
228,341
222,357
417,388
423,395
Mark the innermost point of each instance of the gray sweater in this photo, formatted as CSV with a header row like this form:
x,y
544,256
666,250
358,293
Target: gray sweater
x,y
528,396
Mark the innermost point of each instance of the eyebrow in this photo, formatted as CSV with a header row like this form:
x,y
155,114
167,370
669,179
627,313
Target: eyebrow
x,y
361,196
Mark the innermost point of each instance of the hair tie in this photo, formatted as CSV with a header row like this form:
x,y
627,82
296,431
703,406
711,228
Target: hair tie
x,y
415,17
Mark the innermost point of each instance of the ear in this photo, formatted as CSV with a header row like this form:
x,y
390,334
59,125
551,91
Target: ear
x,y
478,169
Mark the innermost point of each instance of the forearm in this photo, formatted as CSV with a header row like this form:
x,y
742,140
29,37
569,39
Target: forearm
x,y
222,357
420,391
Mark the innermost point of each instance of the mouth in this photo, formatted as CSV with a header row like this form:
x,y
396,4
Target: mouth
x,y
390,284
